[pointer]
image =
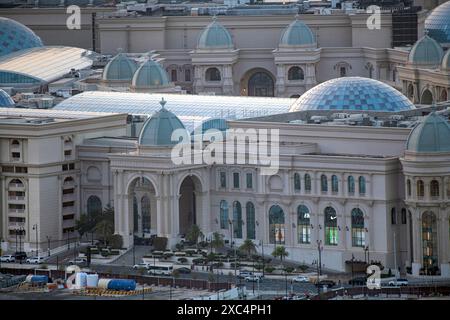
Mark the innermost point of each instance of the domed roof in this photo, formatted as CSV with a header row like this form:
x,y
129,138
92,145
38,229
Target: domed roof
x,y
214,123
352,93
5,100
157,130
215,36
119,68
14,36
438,24
150,74
426,52
446,61
432,134
297,34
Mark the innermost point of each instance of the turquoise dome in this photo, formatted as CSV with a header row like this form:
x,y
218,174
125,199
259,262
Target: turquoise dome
x,y
432,134
5,100
157,130
446,61
215,36
426,52
14,36
438,24
297,34
150,74
120,68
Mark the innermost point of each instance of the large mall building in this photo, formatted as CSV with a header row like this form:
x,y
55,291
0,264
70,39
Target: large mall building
x,y
364,166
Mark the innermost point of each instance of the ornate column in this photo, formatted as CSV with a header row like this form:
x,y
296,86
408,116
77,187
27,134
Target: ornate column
x,y
228,80
417,243
280,83
310,76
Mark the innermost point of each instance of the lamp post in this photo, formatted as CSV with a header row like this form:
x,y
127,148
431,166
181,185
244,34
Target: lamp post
x,y
234,248
353,259
319,266
48,244
35,227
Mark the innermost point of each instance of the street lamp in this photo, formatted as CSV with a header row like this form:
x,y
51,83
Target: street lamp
x,y
353,259
319,265
233,247
35,227
48,244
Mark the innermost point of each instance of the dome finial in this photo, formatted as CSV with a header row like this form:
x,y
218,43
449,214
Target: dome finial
x,y
297,16
214,17
425,32
119,50
162,103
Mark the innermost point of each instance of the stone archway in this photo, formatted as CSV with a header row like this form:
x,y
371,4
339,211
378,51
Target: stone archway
x,y
443,97
427,97
258,82
190,204
142,208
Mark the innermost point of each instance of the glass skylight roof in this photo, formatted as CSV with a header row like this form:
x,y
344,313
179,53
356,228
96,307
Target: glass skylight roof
x,y
14,36
353,93
5,99
191,109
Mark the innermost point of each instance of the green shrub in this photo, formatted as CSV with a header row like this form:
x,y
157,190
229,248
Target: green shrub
x,y
160,243
198,261
270,269
182,260
116,241
288,269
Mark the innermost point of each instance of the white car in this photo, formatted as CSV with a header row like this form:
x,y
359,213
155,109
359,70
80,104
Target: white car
x,y
141,266
398,282
8,258
300,279
253,278
35,260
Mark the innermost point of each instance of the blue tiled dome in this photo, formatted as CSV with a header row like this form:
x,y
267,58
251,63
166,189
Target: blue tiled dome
x,y
14,36
119,68
157,130
432,134
352,93
426,52
5,100
438,24
297,34
215,36
150,74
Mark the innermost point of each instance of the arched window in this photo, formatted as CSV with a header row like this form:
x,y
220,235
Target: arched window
x,y
408,187
334,184
237,220
276,225
427,97
146,216
296,73
68,180
16,183
307,183
15,143
303,225
250,220
420,188
297,184
362,185
393,216
351,185
434,188
323,183
94,205
429,241
223,214
358,234
403,216
331,229
212,74
261,84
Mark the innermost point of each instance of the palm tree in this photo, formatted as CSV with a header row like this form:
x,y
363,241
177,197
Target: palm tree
x,y
248,247
194,233
281,252
105,228
217,241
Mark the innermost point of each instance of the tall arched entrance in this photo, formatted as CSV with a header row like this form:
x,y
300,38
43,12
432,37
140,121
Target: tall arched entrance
x,y
189,204
427,97
429,241
258,83
142,208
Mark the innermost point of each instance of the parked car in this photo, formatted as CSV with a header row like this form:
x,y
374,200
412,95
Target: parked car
x,y
8,258
78,261
300,279
35,260
326,283
252,278
142,265
358,281
244,273
398,282
20,256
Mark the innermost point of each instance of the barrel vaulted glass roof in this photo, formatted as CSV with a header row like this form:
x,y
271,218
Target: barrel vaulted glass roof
x,y
43,64
191,109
